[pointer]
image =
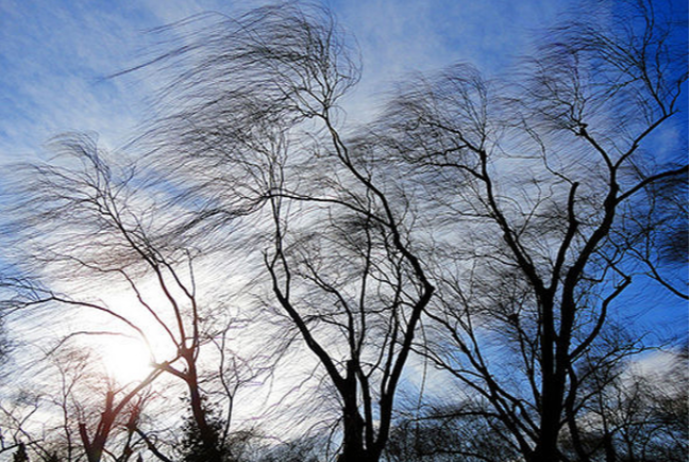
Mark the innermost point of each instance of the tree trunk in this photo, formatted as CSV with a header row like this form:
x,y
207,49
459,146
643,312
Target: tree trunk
x,y
354,447
609,448
551,412
353,438
94,448
553,386
208,434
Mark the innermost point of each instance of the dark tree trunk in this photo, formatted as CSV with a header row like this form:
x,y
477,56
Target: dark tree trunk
x,y
353,438
94,448
551,413
609,449
354,447
208,435
553,385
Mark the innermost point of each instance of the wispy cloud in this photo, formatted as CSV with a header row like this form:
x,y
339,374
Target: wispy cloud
x,y
399,37
54,62
54,57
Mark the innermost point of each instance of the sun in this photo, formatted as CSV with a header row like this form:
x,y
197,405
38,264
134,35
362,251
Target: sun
x,y
125,359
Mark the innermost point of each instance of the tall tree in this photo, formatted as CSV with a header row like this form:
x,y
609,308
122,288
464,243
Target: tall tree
x,y
515,215
255,131
544,192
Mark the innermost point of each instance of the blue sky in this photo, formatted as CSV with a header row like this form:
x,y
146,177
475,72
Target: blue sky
x,y
54,55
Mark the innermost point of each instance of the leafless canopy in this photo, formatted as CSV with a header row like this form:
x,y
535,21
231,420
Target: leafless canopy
x,y
506,219
547,198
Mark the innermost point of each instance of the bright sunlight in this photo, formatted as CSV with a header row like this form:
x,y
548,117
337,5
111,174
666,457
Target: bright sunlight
x,y
125,359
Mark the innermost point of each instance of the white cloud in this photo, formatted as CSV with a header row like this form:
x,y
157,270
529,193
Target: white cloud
x,y
657,364
54,58
55,63
399,37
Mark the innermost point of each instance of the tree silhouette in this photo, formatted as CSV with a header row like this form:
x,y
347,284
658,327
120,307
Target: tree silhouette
x,y
550,186
20,455
335,238
493,227
86,221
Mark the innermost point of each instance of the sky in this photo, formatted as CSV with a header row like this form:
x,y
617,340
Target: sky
x,y
56,58
55,55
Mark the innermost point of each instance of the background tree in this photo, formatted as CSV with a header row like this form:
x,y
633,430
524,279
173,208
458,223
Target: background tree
x,y
641,413
454,431
85,224
298,449
20,455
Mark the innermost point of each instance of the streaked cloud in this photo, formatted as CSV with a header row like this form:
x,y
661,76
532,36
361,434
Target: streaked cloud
x,y
54,56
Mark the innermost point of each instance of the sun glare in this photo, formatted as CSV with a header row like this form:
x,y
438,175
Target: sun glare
x,y
126,360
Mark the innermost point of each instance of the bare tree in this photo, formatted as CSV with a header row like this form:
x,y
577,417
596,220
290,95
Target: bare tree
x,y
458,431
640,412
74,414
515,215
662,236
13,415
85,224
255,132
543,199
